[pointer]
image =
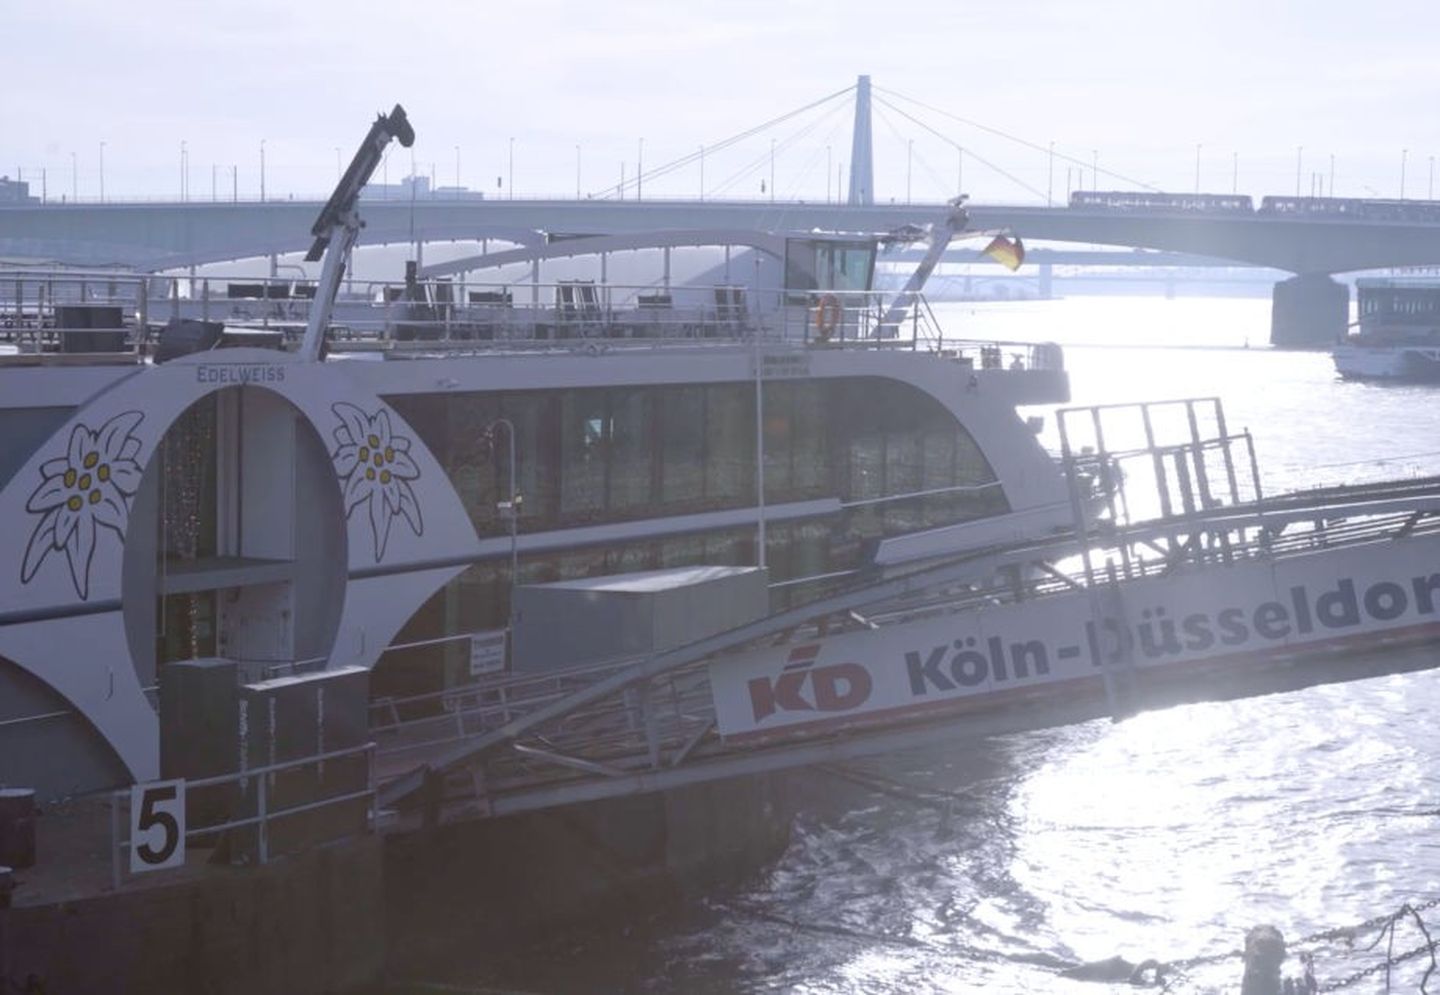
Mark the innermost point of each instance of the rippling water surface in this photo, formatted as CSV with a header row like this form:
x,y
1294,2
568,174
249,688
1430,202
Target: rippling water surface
x,y
1163,836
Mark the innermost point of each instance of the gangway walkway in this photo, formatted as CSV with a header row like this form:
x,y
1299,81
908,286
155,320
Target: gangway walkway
x,y
1224,594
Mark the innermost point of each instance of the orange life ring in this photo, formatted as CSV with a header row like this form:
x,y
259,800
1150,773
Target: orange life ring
x,y
827,316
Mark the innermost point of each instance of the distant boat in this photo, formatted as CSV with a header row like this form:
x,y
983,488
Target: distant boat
x,y
1399,332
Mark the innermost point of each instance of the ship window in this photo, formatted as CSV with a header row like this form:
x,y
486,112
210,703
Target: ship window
x,y
729,443
682,445
800,269
583,437
631,448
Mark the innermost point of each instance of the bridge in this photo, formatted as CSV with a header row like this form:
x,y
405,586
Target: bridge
x,y
1310,308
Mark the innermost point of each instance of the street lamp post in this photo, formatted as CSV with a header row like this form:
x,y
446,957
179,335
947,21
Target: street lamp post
x,y
262,170
772,170
1299,153
337,164
1197,168
1094,169
102,172
1404,154
640,171
1050,178
1332,175
702,174
457,170
577,171
74,178
909,158
828,172
1234,172
511,181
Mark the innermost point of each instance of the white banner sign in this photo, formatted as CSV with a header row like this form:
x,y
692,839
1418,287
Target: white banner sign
x,y
487,653
157,826
1039,649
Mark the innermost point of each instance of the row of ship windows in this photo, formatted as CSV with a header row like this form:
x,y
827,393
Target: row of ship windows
x,y
592,455
651,452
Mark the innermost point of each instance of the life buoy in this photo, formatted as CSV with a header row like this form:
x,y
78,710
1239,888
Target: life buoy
x,y
827,317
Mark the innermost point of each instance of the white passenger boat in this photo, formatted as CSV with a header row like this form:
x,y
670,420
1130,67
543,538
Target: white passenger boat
x,y
207,468
1399,332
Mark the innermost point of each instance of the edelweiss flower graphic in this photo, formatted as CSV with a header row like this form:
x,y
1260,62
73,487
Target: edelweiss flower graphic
x,y
89,486
375,467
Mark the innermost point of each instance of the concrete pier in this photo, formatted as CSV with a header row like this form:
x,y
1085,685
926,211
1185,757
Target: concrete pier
x,y
1310,311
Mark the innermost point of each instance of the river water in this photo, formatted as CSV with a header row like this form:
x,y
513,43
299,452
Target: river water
x,y
1164,836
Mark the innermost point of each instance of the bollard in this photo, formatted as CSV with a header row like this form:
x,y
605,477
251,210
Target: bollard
x,y
1264,953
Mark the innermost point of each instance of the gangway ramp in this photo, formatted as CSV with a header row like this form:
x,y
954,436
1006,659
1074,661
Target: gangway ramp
x,y
1232,596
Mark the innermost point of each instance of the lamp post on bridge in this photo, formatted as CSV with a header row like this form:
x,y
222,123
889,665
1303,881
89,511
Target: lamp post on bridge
x,y
1094,170
102,171
1050,179
909,159
262,170
1197,168
74,177
1332,174
1299,154
1404,154
1234,172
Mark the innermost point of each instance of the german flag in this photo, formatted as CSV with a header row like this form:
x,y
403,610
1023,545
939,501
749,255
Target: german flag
x,y
1005,252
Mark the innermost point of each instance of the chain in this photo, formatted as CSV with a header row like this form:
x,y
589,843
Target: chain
x,y
1189,962
1384,965
1378,922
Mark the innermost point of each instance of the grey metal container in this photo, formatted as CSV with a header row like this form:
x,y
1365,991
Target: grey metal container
x,y
593,619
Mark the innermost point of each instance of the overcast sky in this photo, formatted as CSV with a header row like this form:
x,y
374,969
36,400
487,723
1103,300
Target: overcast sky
x,y
1135,85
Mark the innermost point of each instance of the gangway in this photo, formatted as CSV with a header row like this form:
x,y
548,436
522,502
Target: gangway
x,y
1197,587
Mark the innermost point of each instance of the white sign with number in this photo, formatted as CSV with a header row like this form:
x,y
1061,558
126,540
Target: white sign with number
x,y
487,653
157,826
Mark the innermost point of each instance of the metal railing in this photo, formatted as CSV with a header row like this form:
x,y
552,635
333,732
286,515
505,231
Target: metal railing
x,y
115,316
264,816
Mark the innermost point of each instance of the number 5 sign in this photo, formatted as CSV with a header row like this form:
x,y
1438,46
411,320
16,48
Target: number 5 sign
x,y
157,826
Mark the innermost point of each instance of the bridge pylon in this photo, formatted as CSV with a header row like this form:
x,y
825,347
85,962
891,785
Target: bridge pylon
x,y
862,157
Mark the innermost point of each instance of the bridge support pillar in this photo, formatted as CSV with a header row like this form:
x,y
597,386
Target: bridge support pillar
x,y
1308,311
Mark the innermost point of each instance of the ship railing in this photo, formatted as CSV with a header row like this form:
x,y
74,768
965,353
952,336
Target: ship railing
x,y
213,804
119,317
672,711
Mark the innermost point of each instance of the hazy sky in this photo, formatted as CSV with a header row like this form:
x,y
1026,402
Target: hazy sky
x,y
1139,84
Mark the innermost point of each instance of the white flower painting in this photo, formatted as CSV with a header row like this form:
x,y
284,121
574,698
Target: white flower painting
x,y
375,470
82,491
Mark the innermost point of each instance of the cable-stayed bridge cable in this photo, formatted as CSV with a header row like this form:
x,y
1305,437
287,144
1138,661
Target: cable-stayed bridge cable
x,y
1018,140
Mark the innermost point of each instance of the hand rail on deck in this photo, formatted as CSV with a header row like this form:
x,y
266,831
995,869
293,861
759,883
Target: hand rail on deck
x,y
264,815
